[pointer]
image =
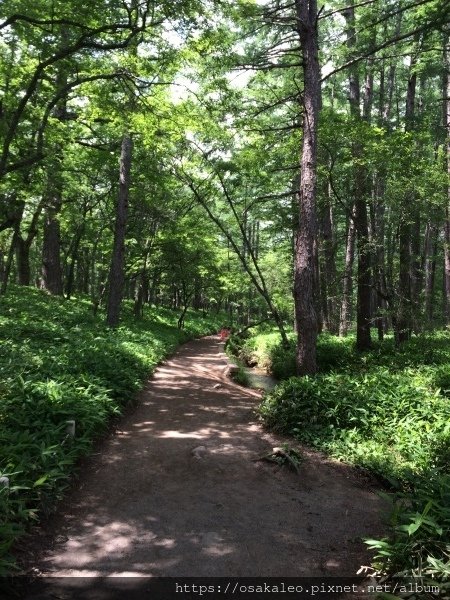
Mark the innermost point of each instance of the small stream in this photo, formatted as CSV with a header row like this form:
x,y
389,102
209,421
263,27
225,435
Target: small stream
x,y
259,379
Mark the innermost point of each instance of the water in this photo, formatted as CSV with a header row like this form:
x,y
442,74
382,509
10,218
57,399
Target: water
x,y
259,379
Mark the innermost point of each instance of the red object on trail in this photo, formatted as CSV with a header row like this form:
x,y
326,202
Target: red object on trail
x,y
224,333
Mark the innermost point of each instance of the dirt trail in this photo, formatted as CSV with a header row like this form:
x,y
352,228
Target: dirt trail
x,y
177,491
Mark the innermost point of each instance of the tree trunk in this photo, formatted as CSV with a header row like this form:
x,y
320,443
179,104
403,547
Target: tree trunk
x,y
405,284
117,270
347,289
52,279
141,294
446,119
429,269
304,262
295,186
74,259
364,280
23,261
327,271
23,247
363,337
9,260
51,259
379,256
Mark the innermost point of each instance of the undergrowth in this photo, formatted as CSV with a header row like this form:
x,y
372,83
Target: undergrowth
x,y
387,410
58,363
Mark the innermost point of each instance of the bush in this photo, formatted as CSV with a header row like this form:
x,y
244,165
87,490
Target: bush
x,y
387,411
399,413
265,350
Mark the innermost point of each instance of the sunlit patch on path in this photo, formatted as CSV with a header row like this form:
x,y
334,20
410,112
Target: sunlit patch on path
x,y
178,491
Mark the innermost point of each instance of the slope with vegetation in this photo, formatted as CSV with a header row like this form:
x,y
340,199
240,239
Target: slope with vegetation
x,y
285,162
59,363
387,411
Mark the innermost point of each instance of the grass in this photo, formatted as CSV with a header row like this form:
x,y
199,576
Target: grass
x,y
57,363
263,349
388,411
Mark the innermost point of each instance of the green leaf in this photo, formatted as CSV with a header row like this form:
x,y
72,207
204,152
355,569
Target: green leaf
x,y
41,480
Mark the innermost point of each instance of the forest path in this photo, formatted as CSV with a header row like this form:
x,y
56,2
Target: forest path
x,y
177,491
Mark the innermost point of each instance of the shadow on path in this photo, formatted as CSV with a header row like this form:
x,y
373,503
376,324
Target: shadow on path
x,y
178,491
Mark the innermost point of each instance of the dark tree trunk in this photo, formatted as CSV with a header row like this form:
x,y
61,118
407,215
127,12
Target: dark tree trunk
x,y
387,89
405,284
403,320
141,295
379,255
2,266
73,259
117,270
51,259
295,221
429,269
305,259
9,259
417,273
417,279
382,270
52,274
379,209
364,279
446,120
363,338
23,261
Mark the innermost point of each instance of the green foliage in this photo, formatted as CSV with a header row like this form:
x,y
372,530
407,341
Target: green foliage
x,y
420,522
255,350
393,423
387,411
241,377
57,363
264,349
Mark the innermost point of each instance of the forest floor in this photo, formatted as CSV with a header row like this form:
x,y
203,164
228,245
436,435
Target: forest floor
x,y
178,490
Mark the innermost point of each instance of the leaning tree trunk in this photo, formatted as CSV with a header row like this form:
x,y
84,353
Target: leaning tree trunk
x,y
117,270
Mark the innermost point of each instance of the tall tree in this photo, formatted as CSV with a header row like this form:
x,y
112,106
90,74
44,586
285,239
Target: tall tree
x,y
359,190
305,239
117,270
446,123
